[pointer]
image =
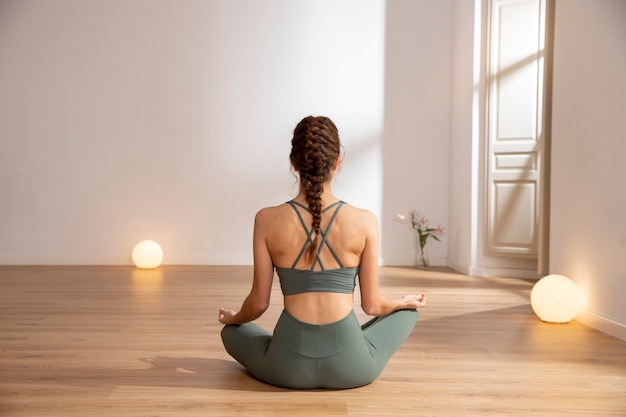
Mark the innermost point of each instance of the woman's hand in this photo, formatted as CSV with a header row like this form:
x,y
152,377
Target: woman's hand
x,y
413,301
226,316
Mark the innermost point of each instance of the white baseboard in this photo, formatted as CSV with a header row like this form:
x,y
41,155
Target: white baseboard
x,y
387,261
603,324
56,260
487,272
466,270
503,272
123,260
463,269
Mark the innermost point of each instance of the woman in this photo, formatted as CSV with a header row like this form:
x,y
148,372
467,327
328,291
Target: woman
x,y
318,246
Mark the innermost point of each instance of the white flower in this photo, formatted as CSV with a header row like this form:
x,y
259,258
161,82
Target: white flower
x,y
401,218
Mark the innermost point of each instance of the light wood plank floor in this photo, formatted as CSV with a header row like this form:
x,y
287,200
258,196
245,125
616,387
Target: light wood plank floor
x,y
115,341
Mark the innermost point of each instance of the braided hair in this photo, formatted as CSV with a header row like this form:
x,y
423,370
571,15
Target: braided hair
x,y
315,147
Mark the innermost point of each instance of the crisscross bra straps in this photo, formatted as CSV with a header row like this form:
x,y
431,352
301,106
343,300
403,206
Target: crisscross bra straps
x,y
311,232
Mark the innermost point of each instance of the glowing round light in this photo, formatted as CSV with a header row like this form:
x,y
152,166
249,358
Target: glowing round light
x,y
555,299
147,254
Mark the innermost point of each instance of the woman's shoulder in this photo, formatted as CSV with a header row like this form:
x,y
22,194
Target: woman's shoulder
x,y
359,214
272,212
357,210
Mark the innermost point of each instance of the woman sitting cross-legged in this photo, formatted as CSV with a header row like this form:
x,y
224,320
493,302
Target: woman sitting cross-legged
x,y
318,246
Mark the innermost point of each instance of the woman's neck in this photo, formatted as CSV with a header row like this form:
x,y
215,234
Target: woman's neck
x,y
327,196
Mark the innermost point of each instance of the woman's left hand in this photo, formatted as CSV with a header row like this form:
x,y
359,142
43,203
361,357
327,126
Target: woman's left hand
x,y
226,316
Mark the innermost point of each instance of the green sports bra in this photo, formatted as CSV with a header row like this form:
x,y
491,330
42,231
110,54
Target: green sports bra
x,y
297,281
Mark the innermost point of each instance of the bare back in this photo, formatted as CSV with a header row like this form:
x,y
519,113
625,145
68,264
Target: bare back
x,y
285,238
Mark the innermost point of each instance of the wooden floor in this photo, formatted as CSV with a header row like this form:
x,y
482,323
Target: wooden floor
x,y
114,341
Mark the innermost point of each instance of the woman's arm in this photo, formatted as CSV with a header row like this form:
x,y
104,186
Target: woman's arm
x,y
257,301
373,302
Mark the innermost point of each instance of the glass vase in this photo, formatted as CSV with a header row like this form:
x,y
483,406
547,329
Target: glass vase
x,y
423,257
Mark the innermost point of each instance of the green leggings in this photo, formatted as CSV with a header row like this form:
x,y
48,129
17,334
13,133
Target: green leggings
x,y
300,355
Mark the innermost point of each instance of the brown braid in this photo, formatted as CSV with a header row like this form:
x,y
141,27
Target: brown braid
x,y
314,149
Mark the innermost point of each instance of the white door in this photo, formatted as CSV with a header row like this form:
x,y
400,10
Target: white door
x,y
516,137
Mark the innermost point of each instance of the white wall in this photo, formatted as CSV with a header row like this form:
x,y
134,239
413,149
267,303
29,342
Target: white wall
x,y
463,136
588,223
417,123
125,120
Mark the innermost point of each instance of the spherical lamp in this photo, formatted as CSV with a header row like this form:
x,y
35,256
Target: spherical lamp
x,y
555,299
147,254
